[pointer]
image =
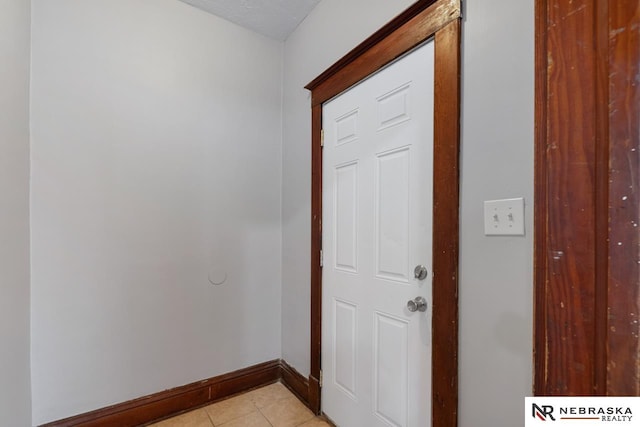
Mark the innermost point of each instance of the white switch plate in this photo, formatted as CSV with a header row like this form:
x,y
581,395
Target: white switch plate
x,y
504,217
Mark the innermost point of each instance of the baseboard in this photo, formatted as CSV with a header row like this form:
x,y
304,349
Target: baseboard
x,y
161,405
295,382
314,395
167,403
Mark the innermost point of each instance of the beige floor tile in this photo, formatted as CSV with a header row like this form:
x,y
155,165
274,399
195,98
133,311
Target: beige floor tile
x,y
288,412
316,422
254,419
269,395
230,409
197,418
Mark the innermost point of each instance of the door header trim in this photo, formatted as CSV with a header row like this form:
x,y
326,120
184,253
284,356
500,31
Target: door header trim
x,y
406,31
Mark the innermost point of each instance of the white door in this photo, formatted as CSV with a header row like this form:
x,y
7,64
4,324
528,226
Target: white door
x,y
377,220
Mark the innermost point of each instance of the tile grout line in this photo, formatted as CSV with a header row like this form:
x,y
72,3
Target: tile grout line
x,y
255,408
209,416
235,417
265,417
265,406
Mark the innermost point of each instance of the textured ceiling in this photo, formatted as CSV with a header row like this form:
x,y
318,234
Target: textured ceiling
x,y
272,18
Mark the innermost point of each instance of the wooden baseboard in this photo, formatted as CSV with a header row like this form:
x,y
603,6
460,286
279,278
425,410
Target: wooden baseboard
x,y
314,395
295,382
167,403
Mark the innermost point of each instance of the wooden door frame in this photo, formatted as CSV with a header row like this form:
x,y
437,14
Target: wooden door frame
x,y
587,201
426,19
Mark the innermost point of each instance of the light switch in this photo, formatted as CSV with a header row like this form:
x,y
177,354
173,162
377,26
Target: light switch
x,y
504,217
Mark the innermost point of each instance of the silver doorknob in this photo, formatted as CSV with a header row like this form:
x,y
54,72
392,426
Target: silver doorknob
x,y
417,304
420,272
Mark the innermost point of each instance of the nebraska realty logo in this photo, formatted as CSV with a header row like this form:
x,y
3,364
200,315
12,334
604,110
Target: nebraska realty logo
x,y
582,411
542,412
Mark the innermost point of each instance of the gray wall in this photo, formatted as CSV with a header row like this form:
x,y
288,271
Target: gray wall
x,y
15,399
497,162
156,150
118,298
496,273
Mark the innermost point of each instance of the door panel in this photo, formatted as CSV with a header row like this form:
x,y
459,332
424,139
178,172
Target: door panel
x,y
345,346
346,215
392,215
391,369
377,215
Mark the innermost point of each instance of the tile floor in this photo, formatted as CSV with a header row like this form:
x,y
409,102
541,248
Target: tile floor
x,y
270,406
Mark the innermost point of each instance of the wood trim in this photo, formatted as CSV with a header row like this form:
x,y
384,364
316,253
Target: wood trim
x,y
587,276
316,247
566,286
623,102
446,162
180,399
422,21
540,199
601,196
406,31
295,382
314,395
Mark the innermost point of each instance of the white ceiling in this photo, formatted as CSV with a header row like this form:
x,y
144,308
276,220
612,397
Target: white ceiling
x,y
272,18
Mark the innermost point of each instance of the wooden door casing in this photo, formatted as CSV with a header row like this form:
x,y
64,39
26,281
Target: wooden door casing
x,y
587,255
423,20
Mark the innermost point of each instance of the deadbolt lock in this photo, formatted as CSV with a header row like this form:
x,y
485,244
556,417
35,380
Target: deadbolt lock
x,y
420,272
